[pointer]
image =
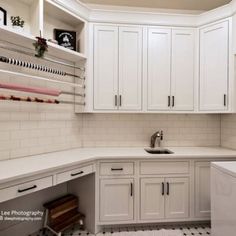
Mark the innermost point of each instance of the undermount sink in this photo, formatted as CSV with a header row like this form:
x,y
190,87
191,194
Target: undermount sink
x,y
158,151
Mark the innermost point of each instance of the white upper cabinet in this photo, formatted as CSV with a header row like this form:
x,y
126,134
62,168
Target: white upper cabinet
x,y
118,68
171,69
182,71
130,68
105,67
159,68
214,59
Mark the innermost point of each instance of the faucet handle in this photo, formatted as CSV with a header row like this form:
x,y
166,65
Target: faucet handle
x,y
162,134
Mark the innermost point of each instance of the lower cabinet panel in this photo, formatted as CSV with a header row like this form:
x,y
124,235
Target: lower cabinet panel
x,y
152,198
116,199
177,198
202,189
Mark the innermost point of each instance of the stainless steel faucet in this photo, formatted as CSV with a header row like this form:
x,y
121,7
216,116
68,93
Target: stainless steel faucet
x,y
156,136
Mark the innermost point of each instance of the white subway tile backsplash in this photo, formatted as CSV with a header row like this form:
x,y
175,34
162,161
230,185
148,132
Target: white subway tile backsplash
x,y
135,129
228,131
34,129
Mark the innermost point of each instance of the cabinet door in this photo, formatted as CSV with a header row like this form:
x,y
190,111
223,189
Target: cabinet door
x,y
214,67
152,198
202,189
116,200
105,67
159,69
177,198
130,68
182,75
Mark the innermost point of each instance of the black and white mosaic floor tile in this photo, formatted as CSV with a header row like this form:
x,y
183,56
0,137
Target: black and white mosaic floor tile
x,y
187,230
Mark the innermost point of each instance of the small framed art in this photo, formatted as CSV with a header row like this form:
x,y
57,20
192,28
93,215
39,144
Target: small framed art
x,y
66,38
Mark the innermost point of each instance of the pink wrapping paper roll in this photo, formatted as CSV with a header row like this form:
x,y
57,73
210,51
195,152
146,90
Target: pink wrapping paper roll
x,y
17,87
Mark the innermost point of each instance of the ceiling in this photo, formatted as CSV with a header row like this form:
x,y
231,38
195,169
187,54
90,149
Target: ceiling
x,y
198,5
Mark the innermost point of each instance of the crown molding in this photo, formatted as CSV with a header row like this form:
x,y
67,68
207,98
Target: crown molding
x,y
144,16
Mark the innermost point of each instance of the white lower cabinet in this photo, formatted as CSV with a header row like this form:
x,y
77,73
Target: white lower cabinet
x,y
116,199
177,198
202,189
152,199
164,198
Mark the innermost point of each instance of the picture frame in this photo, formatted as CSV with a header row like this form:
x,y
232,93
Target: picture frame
x,y
3,16
66,38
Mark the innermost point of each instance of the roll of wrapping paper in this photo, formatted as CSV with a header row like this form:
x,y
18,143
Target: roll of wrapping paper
x,y
16,87
28,99
38,100
34,66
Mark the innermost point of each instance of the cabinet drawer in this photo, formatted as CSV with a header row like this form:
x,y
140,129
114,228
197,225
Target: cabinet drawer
x,y
117,168
73,174
161,167
25,188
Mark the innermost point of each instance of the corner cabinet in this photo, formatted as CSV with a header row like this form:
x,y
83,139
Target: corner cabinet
x,y
170,65
118,68
214,61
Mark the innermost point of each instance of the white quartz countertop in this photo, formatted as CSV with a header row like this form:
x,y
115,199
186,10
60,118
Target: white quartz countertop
x,y
228,167
32,165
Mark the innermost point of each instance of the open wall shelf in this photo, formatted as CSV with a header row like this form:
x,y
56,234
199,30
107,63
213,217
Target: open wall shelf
x,y
44,16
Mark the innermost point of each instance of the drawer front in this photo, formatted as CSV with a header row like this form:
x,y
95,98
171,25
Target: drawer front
x,y
73,174
25,188
156,168
117,168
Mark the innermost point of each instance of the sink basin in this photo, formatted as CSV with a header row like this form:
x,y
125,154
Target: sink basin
x,y
158,151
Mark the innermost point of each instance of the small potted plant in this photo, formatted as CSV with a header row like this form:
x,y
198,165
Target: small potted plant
x,y
41,46
17,23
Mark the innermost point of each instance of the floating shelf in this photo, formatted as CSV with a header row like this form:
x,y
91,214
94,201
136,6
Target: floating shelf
x,y
26,40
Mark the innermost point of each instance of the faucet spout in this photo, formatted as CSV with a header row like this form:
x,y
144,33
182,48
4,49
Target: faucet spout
x,y
156,136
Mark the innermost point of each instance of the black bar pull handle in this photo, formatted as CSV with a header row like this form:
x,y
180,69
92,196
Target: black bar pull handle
x,y
225,100
120,100
168,101
117,169
163,189
116,101
173,101
79,173
131,189
168,188
27,189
